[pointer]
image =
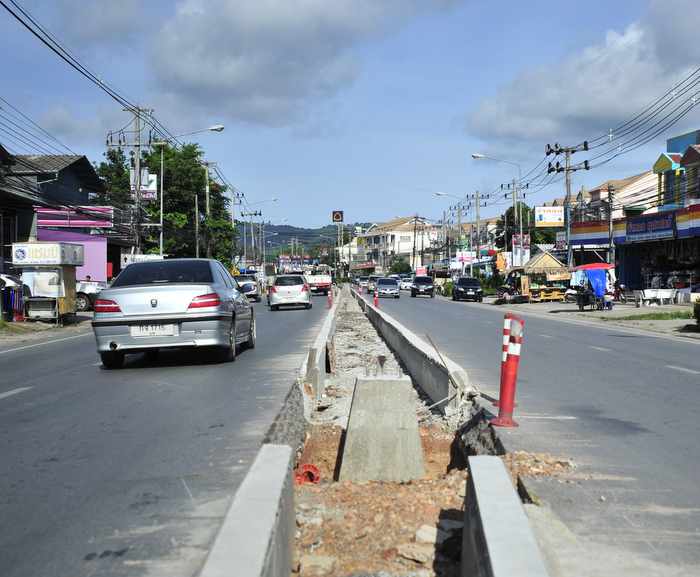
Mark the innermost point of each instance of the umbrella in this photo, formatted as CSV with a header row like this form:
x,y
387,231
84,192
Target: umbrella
x,y
595,266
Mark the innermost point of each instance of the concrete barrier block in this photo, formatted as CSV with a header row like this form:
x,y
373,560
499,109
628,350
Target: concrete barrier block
x,y
382,442
257,536
497,540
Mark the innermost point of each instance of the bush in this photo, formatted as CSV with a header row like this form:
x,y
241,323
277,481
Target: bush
x,y
696,311
447,288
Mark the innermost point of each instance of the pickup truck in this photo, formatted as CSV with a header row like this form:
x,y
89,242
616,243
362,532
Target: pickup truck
x,y
319,283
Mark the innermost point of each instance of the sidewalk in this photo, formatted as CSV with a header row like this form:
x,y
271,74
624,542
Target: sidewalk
x,y
620,316
18,333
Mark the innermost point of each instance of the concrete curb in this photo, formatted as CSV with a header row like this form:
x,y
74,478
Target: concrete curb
x,y
437,380
257,536
318,360
497,540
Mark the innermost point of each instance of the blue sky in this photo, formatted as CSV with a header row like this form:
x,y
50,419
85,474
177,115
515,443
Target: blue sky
x,y
363,105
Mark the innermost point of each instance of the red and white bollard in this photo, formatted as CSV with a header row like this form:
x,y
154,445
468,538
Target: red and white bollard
x,y
509,373
376,299
329,298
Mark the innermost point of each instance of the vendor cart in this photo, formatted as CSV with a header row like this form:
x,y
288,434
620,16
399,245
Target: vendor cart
x,y
48,269
542,279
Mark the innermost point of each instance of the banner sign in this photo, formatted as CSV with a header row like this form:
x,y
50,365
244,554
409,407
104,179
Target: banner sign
x,y
78,217
651,227
549,216
149,184
560,242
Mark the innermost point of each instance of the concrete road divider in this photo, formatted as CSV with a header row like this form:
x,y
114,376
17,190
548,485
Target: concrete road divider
x,y
257,536
446,381
319,360
497,540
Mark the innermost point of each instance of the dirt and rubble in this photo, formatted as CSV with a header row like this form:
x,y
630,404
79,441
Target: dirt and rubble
x,y
377,528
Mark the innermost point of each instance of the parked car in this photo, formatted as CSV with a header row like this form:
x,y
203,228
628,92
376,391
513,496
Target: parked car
x,y
289,290
172,303
388,287
466,288
248,284
86,292
405,283
422,285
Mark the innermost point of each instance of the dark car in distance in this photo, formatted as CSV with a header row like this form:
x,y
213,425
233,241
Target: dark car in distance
x,y
422,285
467,288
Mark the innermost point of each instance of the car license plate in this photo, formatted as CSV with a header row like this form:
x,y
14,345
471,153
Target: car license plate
x,y
470,292
153,330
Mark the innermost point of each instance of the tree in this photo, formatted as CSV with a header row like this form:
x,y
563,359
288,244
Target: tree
x,y
400,266
115,172
184,180
507,226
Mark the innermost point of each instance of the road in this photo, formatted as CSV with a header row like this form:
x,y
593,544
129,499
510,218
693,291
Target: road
x,y
623,405
129,472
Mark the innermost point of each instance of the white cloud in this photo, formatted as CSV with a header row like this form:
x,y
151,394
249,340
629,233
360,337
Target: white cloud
x,y
264,61
98,23
602,85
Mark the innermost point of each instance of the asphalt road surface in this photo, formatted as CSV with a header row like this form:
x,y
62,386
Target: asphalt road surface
x,y
129,472
624,405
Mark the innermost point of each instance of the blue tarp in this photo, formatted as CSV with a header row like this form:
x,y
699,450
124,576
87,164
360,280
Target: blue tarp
x,y
597,278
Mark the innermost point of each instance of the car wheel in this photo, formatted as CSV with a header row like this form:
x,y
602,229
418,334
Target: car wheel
x,y
413,295
112,359
258,299
274,307
432,295
82,302
308,305
228,352
252,334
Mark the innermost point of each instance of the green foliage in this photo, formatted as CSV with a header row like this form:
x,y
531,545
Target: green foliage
x,y
447,288
400,266
658,316
507,226
115,171
696,311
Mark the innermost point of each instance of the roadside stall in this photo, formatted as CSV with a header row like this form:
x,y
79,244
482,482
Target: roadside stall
x,y
594,285
48,269
544,278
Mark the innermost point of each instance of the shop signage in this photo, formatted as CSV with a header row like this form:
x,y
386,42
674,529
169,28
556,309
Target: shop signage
x,y
77,217
48,253
560,242
651,227
549,216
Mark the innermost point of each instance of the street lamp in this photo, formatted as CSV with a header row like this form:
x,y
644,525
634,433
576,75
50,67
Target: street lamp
x,y
516,195
162,144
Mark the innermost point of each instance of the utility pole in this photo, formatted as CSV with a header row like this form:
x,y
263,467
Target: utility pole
x,y
196,224
611,245
444,237
567,169
136,145
415,226
478,227
250,214
422,243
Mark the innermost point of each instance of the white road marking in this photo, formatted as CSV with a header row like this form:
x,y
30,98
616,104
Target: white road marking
x,y
547,336
683,370
184,484
603,349
44,343
14,392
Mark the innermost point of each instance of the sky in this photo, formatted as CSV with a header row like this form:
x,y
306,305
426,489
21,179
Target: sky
x,y
366,106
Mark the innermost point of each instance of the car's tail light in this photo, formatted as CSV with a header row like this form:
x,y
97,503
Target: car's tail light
x,y
106,306
273,289
305,288
205,301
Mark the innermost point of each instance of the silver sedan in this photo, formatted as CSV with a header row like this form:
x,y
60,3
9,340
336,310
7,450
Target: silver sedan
x,y
172,303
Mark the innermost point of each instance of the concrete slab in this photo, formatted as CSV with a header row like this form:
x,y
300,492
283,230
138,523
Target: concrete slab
x,y
382,442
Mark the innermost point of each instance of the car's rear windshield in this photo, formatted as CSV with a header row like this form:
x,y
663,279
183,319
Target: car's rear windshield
x,y
165,272
289,280
423,279
469,282
364,278
244,278
387,281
